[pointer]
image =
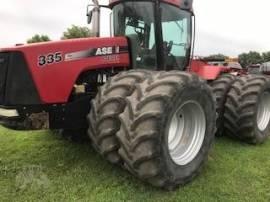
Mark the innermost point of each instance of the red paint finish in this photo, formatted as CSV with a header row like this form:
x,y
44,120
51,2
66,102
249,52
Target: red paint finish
x,y
55,82
206,71
174,2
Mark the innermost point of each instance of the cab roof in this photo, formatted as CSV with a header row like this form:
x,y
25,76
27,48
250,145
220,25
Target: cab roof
x,y
183,4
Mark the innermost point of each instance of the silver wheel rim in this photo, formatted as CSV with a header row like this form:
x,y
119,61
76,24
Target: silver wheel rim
x,y
263,114
186,132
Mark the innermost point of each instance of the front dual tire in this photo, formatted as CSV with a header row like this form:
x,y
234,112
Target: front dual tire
x,y
163,129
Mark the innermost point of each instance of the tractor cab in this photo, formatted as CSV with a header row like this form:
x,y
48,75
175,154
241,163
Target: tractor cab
x,y
159,32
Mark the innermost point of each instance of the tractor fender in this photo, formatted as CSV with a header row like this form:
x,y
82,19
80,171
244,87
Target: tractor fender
x,y
206,71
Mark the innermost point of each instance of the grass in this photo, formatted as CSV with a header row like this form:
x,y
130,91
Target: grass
x,y
40,166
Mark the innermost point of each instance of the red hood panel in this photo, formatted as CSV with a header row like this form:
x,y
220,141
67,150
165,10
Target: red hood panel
x,y
78,42
55,80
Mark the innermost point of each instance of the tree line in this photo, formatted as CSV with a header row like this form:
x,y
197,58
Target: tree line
x,y
71,33
253,57
245,59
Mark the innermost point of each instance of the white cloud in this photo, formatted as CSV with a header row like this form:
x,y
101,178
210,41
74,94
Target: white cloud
x,y
223,26
22,19
232,26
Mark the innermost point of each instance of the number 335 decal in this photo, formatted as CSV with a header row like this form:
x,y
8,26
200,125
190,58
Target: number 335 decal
x,y
49,59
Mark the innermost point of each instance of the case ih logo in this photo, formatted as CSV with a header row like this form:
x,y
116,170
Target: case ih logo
x,y
107,50
95,52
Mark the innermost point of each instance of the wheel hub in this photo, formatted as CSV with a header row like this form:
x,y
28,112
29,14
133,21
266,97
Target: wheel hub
x,y
186,132
263,114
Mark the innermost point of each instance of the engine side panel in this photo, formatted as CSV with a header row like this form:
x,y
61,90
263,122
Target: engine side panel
x,y
55,66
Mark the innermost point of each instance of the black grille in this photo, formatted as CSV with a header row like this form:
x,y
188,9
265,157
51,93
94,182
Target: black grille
x,y
20,87
4,59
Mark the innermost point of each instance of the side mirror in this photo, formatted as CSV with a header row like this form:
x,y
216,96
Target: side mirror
x,y
89,17
90,12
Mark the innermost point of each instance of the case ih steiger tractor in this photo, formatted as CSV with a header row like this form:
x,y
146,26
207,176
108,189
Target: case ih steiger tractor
x,y
145,104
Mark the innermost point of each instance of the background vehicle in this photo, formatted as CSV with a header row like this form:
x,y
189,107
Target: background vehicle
x,y
254,69
265,68
152,110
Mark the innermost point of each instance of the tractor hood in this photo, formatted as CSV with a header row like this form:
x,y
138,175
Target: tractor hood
x,y
71,50
54,67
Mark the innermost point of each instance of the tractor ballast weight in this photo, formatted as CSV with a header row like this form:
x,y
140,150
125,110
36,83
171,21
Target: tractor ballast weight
x,y
146,105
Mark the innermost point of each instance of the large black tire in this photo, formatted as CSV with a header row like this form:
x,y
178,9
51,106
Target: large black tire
x,y
242,109
144,133
103,118
221,86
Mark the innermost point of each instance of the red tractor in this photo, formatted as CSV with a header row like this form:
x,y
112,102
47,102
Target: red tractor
x,y
144,103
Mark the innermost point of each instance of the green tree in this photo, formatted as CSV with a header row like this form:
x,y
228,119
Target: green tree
x,y
250,58
77,32
266,56
217,57
38,38
243,59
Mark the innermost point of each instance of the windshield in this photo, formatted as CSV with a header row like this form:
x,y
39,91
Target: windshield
x,y
136,21
176,31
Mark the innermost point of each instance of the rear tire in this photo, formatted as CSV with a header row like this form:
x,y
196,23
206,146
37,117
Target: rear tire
x,y
160,110
221,87
247,110
103,118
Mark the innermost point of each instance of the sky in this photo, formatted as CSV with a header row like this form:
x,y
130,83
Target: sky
x,y
222,26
